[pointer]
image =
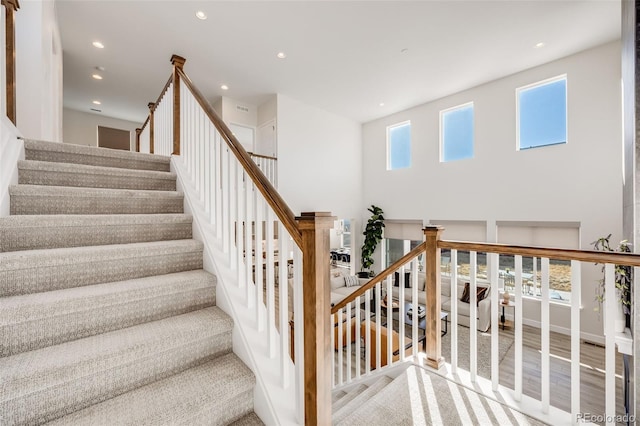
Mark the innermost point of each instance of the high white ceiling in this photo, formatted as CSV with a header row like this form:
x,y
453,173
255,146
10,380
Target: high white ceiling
x,y
342,56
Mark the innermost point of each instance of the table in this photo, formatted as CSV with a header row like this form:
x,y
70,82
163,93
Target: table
x,y
511,305
422,324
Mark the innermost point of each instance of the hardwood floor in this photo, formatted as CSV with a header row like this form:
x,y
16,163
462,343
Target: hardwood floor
x,y
592,378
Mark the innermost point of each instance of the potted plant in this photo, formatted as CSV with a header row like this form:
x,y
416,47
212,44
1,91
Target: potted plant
x,y
623,277
372,236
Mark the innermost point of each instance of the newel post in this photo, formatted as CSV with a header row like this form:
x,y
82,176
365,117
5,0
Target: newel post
x,y
152,108
138,131
432,267
315,228
178,63
11,6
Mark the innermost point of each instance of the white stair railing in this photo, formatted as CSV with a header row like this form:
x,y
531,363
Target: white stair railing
x,y
257,243
542,404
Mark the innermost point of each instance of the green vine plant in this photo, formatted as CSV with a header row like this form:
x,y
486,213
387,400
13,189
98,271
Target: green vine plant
x,y
623,275
372,236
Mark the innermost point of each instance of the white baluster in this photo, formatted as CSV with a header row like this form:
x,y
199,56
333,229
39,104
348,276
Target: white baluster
x,y
389,313
239,222
518,328
544,335
258,253
415,320
218,183
270,285
575,340
299,332
378,301
494,261
610,307
453,318
348,342
340,354
367,327
358,348
473,316
248,243
283,238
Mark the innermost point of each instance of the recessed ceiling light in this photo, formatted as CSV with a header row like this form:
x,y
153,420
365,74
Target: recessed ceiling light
x,y
97,76
281,55
224,87
98,44
97,102
201,15
381,104
539,45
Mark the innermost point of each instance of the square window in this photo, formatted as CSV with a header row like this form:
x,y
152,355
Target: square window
x,y
456,133
542,113
399,146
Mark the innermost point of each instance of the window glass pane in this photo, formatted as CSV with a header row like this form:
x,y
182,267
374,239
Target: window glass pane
x,y
543,114
457,133
399,146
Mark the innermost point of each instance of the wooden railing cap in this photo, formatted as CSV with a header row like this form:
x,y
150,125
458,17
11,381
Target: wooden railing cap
x,y
178,61
151,106
11,3
316,220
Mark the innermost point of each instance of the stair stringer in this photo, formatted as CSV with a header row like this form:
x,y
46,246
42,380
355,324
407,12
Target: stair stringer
x,y
11,151
273,404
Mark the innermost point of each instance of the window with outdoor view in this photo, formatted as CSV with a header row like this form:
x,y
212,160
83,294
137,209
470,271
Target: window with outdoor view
x,y
542,113
456,133
399,146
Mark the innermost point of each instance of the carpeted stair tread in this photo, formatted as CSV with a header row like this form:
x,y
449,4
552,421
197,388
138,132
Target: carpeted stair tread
x,y
31,232
250,419
40,199
32,172
362,397
349,396
34,321
45,384
80,154
214,393
32,271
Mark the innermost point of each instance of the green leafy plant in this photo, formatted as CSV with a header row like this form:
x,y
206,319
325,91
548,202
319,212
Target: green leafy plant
x,y
622,278
372,236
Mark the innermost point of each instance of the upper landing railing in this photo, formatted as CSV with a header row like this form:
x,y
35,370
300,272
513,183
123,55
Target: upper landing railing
x,y
376,320
266,246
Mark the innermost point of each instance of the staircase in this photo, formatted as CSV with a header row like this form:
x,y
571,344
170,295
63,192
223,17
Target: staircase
x,y
106,315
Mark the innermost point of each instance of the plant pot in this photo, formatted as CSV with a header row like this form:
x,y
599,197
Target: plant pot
x,y
363,274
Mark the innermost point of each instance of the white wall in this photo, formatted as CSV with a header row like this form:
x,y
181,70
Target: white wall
x,y
11,150
38,71
319,160
580,181
81,128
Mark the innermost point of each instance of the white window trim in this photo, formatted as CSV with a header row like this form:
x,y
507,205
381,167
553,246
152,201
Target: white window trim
x,y
566,118
392,126
442,113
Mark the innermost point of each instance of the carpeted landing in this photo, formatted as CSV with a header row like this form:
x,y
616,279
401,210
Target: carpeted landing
x,y
106,315
420,397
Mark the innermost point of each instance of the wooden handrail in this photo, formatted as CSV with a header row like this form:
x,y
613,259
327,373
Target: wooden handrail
x,y
627,259
11,6
261,156
146,121
164,90
380,277
273,198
